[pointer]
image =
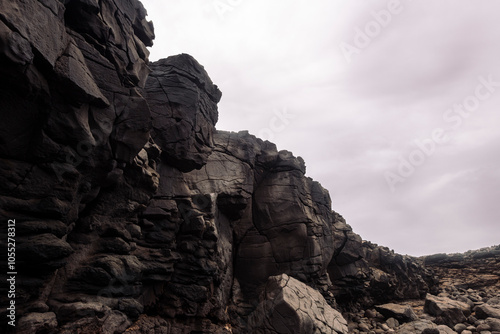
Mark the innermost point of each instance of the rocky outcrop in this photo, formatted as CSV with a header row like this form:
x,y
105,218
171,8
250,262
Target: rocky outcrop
x,y
225,234
73,126
183,102
365,274
134,214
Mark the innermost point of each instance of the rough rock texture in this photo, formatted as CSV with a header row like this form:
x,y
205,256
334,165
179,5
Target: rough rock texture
x,y
133,214
73,121
456,307
417,327
448,311
289,306
183,102
402,313
471,270
484,311
365,274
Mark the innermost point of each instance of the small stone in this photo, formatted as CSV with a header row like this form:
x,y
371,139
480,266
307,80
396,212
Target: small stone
x,y
352,326
459,328
471,319
384,327
494,324
483,327
363,327
443,329
392,323
370,313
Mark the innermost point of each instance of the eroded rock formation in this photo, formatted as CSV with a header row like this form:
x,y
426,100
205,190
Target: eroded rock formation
x,y
134,214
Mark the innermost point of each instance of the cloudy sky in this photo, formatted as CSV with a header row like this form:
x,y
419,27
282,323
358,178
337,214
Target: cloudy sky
x,y
392,104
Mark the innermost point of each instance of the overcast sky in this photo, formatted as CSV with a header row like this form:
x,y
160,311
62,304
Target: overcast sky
x,y
392,104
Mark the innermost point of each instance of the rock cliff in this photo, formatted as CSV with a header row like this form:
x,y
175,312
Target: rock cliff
x,y
134,214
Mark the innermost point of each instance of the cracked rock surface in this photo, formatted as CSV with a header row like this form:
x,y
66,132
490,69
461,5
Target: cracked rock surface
x,y
134,214
289,306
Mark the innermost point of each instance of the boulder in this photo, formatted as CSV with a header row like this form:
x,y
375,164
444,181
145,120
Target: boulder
x,y
417,326
289,306
486,310
403,313
494,324
448,312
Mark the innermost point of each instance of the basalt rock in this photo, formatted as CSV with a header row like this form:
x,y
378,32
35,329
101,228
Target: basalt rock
x,y
134,214
402,313
183,102
289,306
365,274
448,312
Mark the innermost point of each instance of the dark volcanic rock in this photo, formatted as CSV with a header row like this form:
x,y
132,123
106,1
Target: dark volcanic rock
x,y
487,311
448,312
471,270
133,214
183,103
402,313
289,306
365,274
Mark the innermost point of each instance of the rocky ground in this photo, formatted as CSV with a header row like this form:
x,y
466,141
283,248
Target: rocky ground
x,y
468,300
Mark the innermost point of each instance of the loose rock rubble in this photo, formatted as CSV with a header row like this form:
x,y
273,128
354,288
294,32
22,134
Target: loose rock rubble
x,y
467,302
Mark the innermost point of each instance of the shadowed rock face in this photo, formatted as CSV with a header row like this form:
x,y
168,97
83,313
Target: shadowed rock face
x,y
134,214
364,274
183,103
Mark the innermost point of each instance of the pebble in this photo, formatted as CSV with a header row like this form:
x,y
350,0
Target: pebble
x,y
370,313
363,327
392,323
483,327
459,328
